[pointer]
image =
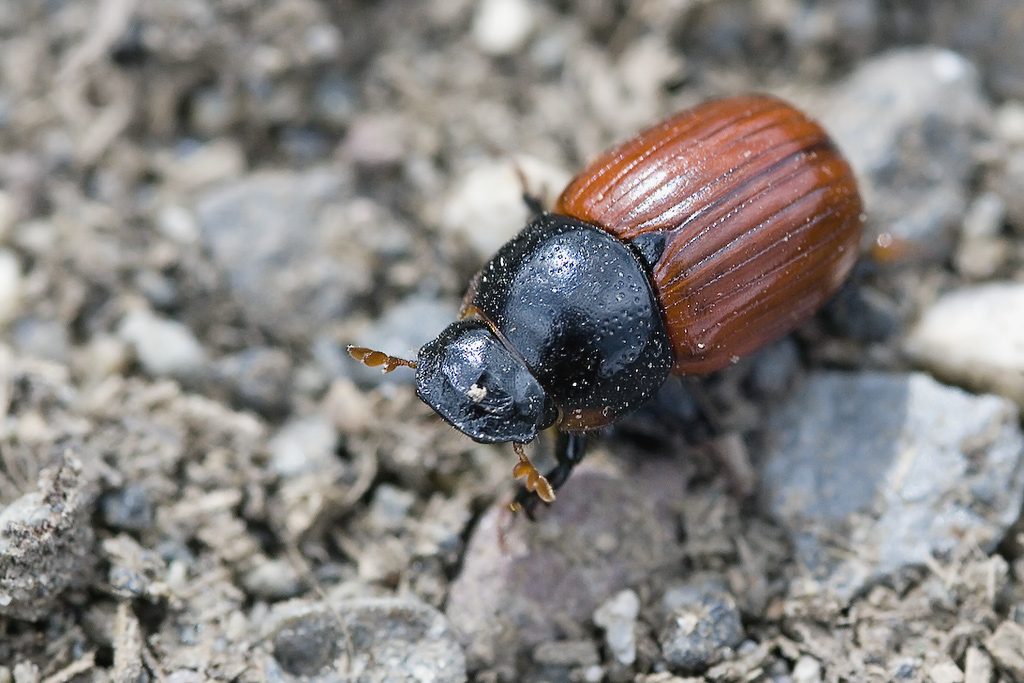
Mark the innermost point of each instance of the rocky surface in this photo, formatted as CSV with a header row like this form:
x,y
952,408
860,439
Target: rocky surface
x,y
203,203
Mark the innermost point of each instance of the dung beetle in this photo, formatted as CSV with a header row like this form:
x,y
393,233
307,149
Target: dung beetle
x,y
679,251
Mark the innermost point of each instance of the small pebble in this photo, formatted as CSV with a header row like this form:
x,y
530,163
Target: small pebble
x,y
178,223
617,616
702,633
323,41
302,445
273,580
128,508
164,347
502,27
10,286
807,670
974,337
307,645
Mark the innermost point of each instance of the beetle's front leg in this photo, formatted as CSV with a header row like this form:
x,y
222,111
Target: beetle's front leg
x,y
569,451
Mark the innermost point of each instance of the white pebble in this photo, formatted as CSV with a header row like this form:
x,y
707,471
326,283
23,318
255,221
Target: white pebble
x,y
807,670
617,616
502,27
975,337
163,347
303,445
177,223
485,207
10,286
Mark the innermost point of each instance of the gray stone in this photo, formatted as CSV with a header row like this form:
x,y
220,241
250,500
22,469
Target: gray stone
x,y
376,640
46,541
127,508
975,337
873,473
701,631
271,234
519,580
908,121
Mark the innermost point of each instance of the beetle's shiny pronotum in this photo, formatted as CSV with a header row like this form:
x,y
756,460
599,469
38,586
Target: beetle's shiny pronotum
x,y
677,252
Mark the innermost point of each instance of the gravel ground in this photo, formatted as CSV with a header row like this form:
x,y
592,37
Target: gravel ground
x,y
202,203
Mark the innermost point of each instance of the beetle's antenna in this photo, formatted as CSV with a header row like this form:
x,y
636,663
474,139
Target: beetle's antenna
x,y
535,481
379,359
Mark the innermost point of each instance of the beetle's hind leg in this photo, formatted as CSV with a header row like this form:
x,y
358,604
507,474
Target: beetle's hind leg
x,y
569,451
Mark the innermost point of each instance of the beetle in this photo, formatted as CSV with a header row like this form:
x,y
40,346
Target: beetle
x,y
679,251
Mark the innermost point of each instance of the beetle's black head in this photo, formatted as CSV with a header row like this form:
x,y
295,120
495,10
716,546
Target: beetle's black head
x,y
472,381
